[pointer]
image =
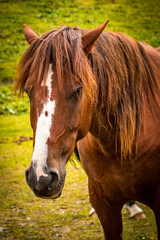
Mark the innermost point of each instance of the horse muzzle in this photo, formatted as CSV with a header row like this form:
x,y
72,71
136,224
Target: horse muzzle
x,y
49,185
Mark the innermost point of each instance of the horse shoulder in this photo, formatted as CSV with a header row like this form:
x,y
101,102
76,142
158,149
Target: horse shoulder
x,y
103,170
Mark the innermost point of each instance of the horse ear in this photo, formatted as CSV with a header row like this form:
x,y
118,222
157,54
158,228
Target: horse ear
x,y
30,35
89,39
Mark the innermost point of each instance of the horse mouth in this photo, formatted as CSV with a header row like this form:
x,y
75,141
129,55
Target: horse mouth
x,y
47,194
57,196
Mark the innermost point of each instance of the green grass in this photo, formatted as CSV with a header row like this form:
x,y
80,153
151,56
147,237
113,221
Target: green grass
x,y
139,19
24,216
10,103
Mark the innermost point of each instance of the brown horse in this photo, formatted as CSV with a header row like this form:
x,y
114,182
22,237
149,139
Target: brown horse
x,y
102,90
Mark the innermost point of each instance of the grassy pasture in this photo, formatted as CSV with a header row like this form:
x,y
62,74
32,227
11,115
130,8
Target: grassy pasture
x,y
137,18
22,215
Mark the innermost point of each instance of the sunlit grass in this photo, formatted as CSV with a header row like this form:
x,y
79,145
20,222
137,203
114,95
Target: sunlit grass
x,y
11,103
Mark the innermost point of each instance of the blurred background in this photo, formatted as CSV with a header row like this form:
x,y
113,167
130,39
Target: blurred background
x,y
22,215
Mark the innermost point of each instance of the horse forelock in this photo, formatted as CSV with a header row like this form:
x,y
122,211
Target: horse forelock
x,y
62,48
116,75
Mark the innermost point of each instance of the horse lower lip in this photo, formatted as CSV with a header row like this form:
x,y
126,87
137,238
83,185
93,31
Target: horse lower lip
x,y
57,195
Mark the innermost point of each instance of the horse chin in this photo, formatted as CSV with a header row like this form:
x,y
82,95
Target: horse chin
x,y
47,194
52,197
57,196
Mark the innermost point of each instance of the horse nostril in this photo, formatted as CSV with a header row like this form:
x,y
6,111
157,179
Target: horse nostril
x,y
54,180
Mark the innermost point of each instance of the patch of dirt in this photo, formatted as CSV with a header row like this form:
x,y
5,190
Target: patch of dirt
x,y
22,139
4,140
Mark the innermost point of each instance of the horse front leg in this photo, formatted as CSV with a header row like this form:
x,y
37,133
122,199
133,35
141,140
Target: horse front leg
x,y
109,217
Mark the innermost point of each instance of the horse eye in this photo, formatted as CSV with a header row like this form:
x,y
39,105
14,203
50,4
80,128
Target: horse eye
x,y
76,94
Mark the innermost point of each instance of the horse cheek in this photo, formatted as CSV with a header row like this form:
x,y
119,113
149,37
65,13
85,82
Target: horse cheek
x,y
85,123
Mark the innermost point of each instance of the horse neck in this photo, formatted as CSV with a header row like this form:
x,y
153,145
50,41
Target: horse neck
x,y
101,132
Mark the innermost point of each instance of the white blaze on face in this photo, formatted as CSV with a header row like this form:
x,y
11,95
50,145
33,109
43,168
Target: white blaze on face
x,y
44,122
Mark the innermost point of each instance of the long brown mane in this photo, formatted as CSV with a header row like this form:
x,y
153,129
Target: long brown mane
x,y
116,75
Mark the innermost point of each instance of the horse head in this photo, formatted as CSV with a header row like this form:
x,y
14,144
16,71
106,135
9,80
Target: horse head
x,y
61,104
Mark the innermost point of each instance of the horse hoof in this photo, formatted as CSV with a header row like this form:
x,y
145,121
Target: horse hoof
x,y
94,214
139,216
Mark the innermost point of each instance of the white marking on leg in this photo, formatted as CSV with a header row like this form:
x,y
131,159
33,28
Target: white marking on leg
x,y
44,123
